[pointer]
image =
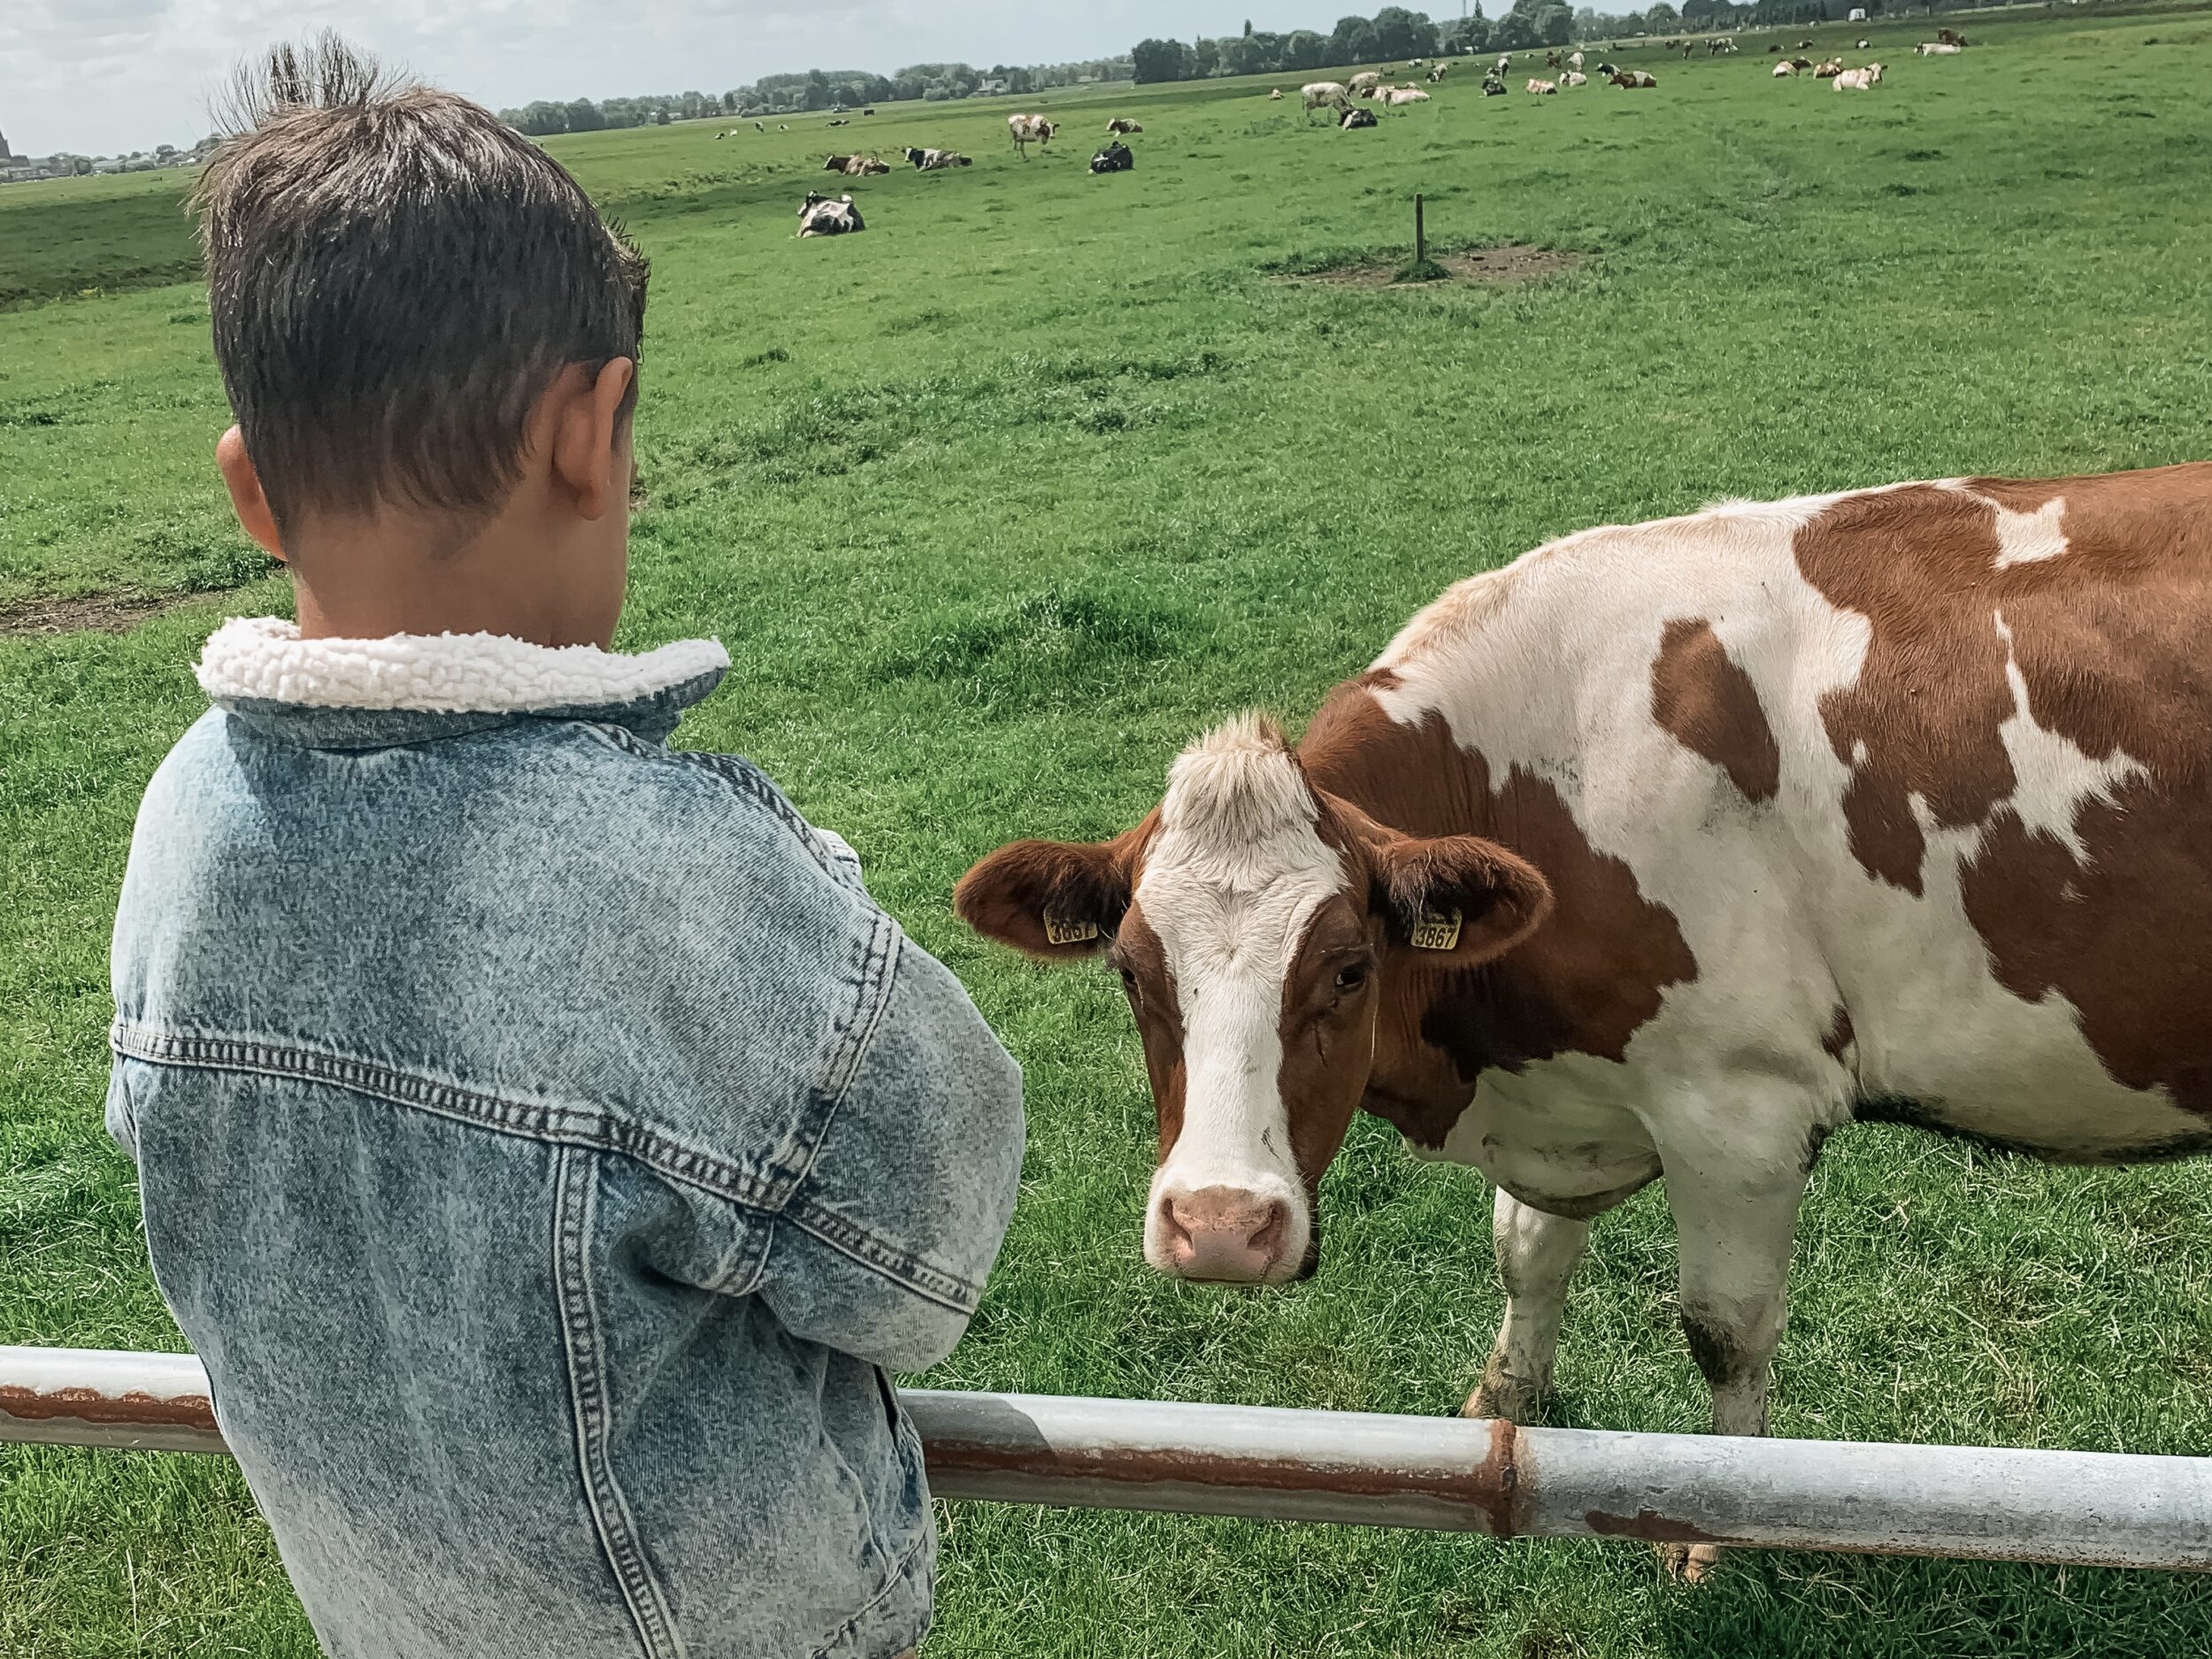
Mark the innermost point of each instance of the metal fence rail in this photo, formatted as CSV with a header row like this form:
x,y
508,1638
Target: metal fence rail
x,y
2079,1507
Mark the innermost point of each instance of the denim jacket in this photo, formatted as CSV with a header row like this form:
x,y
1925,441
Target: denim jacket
x,y
548,1148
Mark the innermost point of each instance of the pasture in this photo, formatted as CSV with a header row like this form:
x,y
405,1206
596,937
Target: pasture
x,y
996,505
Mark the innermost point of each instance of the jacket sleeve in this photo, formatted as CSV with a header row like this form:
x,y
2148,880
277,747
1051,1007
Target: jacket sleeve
x,y
882,1247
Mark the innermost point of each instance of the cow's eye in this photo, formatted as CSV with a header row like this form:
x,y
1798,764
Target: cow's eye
x,y
1129,981
1351,977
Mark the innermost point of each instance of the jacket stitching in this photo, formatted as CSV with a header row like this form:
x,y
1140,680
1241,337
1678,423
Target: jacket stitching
x,y
565,1126
586,1374
892,1581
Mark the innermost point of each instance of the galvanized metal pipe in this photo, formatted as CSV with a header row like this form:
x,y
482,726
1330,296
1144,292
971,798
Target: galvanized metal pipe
x,y
2079,1507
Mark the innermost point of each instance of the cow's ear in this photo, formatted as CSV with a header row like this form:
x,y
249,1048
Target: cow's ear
x,y
1455,900
1055,900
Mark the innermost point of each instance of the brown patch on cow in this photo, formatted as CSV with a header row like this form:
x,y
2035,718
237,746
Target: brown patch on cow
x,y
1701,696
1519,262
1840,1035
1141,959
1583,983
2108,639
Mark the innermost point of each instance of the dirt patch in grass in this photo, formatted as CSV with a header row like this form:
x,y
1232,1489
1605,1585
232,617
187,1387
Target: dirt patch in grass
x,y
1516,263
86,613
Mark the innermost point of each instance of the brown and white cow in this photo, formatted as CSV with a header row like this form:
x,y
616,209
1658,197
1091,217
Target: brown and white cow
x,y
1667,849
1031,129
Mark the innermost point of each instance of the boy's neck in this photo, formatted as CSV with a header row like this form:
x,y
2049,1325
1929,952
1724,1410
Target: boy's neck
x,y
514,573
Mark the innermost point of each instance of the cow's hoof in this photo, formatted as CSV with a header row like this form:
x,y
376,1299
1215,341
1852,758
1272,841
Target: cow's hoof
x,y
1690,1562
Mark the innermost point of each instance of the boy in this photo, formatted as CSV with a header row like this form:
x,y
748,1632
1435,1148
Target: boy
x,y
543,1139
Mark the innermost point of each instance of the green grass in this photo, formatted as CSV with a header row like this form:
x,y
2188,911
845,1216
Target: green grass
x,y
998,503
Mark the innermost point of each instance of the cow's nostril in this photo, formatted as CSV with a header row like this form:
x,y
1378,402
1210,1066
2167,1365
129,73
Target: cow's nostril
x,y
1267,1238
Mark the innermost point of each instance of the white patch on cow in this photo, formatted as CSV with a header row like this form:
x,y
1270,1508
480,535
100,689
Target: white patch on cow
x,y
2025,537
1231,882
2055,778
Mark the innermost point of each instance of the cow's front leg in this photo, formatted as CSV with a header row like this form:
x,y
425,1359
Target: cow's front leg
x,y
1537,1254
1736,1224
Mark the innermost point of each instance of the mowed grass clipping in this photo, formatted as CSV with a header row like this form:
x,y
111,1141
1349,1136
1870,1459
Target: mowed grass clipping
x,y
998,504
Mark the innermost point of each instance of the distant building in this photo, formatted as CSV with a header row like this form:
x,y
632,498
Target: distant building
x,y
1857,15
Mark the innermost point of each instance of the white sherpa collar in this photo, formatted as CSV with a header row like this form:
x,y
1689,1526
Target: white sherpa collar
x,y
264,658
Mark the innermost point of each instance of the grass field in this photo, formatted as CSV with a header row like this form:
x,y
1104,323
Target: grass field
x,y
995,505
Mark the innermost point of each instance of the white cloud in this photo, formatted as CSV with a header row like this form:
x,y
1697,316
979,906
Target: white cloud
x,y
102,76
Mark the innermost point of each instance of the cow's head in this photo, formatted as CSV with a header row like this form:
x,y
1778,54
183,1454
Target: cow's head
x,y
1258,924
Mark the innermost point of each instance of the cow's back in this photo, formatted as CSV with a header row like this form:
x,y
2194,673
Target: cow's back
x,y
1917,776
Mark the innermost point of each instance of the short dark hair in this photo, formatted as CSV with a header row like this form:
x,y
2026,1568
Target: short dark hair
x,y
395,277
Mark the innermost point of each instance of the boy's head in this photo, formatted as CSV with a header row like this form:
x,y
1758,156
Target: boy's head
x,y
421,322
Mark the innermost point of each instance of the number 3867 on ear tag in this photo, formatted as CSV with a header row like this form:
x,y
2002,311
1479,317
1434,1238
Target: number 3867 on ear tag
x,y
1437,930
1060,930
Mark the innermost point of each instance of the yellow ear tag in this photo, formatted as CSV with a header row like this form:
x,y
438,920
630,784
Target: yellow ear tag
x,y
1437,930
1059,932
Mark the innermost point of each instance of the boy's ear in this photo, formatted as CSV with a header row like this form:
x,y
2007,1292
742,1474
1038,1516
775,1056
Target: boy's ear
x,y
247,498
1055,900
1453,901
587,413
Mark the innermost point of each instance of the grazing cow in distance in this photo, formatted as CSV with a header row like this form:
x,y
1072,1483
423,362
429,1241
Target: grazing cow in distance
x,y
1574,60
1366,80
1116,157
1543,88
827,216
1938,49
930,160
1030,129
1666,851
1551,60
1574,77
1317,95
1505,61
1117,126
1859,80
1353,118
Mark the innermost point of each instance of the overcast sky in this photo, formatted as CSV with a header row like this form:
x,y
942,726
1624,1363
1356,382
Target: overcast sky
x,y
101,77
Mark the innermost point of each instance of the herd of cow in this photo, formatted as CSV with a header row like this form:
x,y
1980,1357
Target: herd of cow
x,y
826,216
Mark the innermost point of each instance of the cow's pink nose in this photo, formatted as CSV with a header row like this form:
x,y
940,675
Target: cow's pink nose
x,y
1224,1233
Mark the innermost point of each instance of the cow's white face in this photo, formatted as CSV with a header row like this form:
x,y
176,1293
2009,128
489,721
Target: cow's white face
x,y
1258,925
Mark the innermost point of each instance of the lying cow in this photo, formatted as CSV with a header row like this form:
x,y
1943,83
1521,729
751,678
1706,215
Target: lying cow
x,y
1116,157
1351,119
1492,88
1275,97
1951,37
930,160
1938,49
1666,850
1574,77
1117,126
1397,97
1635,78
1031,129
1786,67
1859,80
826,216
856,166
1317,95
1828,70
1543,88
1607,71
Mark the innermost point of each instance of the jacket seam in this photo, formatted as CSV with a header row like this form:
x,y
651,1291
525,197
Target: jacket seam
x,y
739,775
560,1124
891,1580
610,1515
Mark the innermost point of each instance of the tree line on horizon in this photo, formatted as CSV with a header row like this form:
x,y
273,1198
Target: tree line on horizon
x,y
1395,34
813,90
